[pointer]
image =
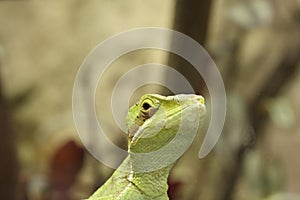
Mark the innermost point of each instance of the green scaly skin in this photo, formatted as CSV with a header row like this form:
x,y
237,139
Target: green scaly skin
x,y
152,123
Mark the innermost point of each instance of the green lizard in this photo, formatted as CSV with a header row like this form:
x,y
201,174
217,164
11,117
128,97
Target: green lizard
x,y
160,129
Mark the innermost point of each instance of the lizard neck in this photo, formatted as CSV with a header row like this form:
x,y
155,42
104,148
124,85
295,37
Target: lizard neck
x,y
151,183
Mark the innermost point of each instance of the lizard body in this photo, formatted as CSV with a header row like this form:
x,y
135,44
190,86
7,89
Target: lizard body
x,y
153,123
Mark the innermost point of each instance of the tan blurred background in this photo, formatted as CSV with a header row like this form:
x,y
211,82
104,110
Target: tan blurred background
x,y
255,44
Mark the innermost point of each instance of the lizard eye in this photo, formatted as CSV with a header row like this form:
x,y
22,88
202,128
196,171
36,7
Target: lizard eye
x,y
148,109
146,106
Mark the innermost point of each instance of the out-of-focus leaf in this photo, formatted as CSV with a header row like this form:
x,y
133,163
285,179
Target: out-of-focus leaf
x,y
249,14
281,112
174,187
64,167
284,196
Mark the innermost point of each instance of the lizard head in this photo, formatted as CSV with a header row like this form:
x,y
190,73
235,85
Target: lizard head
x,y
155,120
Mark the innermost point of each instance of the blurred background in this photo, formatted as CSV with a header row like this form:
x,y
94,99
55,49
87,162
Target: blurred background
x,y
255,44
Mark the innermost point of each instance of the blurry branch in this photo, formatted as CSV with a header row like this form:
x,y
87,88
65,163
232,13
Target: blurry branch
x,y
244,126
8,167
281,76
191,18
